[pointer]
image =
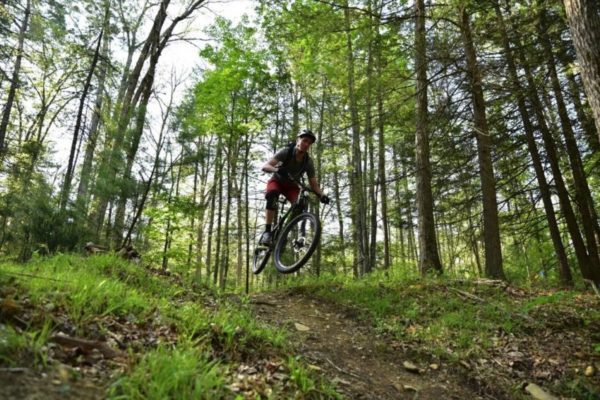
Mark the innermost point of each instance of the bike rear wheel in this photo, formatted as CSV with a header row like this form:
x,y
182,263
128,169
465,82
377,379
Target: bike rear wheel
x,y
297,242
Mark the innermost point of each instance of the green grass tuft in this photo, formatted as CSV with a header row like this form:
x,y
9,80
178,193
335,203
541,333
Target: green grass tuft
x,y
181,372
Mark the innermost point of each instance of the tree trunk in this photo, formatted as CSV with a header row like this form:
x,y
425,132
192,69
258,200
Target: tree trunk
x,y
219,184
583,196
584,22
586,120
246,213
211,222
168,237
564,269
86,87
588,270
370,137
381,167
131,151
429,259
338,208
206,198
357,199
232,151
14,82
491,226
319,169
90,148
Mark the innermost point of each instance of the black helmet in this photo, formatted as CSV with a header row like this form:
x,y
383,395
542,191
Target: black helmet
x,y
308,133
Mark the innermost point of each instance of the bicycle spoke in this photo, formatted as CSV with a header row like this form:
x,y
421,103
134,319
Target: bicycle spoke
x,y
297,243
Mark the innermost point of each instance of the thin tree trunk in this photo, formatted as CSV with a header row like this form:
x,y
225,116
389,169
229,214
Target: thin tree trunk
x,y
86,87
14,82
491,226
357,199
193,218
168,235
584,21
229,188
90,148
203,206
588,270
338,207
247,213
319,169
370,137
219,184
564,269
429,259
583,196
382,176
211,223
147,84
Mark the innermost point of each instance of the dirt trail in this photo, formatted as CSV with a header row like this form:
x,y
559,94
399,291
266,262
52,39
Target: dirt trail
x,y
364,366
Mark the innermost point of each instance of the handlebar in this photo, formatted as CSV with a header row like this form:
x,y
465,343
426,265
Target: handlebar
x,y
302,185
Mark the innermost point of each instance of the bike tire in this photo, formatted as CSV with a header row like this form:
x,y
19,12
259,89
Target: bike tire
x,y
289,258
260,258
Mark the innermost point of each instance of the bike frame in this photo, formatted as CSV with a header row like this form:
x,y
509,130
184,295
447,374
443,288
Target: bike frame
x,y
281,224
301,205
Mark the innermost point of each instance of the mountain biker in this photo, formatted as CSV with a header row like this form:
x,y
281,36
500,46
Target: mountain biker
x,y
291,162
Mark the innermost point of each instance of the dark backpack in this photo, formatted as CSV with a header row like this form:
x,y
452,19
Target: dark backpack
x,y
290,155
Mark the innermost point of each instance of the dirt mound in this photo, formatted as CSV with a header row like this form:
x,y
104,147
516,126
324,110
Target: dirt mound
x,y
363,364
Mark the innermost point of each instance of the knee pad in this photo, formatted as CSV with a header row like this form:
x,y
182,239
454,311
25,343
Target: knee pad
x,y
272,200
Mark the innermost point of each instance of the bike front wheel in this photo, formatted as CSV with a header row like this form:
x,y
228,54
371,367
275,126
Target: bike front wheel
x,y
260,259
297,242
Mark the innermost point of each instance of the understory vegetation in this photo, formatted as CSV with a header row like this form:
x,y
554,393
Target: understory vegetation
x,y
168,339
155,335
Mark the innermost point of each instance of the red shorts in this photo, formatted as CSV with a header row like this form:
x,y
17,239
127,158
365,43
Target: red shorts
x,y
289,189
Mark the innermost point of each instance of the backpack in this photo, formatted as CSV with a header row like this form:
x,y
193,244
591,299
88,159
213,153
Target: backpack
x,y
290,155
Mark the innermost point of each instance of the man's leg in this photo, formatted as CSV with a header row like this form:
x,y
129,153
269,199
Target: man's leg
x,y
269,217
271,196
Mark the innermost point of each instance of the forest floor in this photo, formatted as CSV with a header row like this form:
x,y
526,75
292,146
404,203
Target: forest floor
x,y
75,328
368,363
362,363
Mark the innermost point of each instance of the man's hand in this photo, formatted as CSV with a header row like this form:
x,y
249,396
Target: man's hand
x,y
283,172
324,199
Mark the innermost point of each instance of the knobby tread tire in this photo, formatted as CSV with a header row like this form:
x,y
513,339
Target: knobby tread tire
x,y
313,246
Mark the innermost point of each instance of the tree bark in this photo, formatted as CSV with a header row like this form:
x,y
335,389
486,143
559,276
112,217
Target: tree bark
x,y
583,196
14,82
370,137
429,259
382,176
357,200
491,226
587,266
90,148
584,22
564,269
219,211
66,189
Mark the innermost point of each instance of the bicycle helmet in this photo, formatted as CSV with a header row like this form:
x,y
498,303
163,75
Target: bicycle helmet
x,y
308,133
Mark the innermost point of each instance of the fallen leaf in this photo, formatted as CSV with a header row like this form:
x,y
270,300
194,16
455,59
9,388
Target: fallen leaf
x,y
409,366
301,328
410,388
590,370
539,393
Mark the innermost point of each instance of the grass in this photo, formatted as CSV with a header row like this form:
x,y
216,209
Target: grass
x,y
197,345
181,372
458,320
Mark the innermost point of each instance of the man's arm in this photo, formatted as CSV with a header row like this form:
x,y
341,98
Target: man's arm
x,y
314,185
270,166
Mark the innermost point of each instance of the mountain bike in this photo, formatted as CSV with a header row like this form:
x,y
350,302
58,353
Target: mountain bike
x,y
295,236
